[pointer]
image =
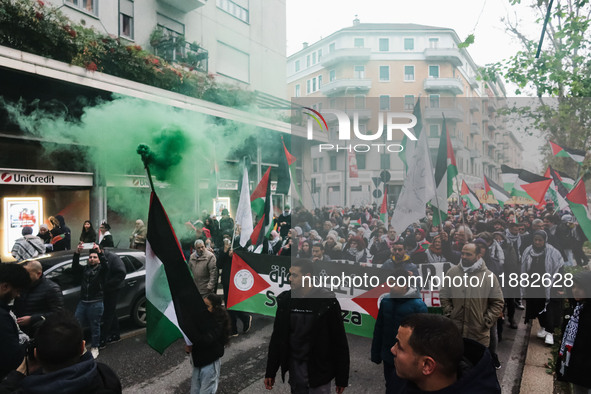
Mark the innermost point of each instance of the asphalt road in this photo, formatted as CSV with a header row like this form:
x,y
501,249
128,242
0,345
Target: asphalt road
x,y
143,370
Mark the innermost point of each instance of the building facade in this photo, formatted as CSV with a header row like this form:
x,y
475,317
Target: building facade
x,y
387,67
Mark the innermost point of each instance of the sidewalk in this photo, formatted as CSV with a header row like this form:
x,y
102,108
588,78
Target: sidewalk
x,y
535,380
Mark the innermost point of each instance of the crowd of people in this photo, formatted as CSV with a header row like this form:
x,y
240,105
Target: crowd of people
x,y
420,352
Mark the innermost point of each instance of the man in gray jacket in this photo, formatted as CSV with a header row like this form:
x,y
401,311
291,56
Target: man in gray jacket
x,y
203,266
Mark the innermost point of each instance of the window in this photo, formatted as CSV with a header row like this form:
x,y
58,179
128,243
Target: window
x,y
384,73
434,71
90,6
170,29
297,65
308,87
314,58
320,164
409,102
126,26
384,103
434,101
332,75
236,8
360,102
409,44
433,42
333,162
297,91
409,73
331,47
358,43
434,131
360,161
315,166
308,61
385,161
384,45
233,62
314,88
319,81
319,54
359,72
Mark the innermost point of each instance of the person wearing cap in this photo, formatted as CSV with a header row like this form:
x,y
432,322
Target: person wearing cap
x,y
28,246
44,234
574,362
542,259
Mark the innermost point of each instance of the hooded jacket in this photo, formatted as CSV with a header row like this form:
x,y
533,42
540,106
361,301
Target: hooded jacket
x,y
392,312
86,376
476,374
41,299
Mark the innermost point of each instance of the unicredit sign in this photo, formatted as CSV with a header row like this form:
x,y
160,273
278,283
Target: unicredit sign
x,y
24,177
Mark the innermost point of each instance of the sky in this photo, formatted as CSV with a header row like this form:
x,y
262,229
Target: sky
x,y
311,20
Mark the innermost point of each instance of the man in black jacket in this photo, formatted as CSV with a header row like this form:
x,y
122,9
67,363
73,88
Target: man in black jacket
x,y
308,337
115,281
61,364
38,301
13,279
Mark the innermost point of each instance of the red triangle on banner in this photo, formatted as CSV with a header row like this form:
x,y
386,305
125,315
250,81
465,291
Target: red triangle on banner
x,y
578,195
537,190
555,148
246,282
370,300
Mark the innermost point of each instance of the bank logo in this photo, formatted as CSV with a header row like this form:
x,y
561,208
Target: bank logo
x,y
243,280
6,177
316,118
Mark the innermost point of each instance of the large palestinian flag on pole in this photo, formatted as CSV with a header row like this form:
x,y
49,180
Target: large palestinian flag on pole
x,y
174,306
469,196
496,191
577,200
557,190
445,171
530,185
257,198
265,224
562,151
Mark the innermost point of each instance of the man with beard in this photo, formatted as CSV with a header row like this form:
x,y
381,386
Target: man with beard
x,y
477,304
13,279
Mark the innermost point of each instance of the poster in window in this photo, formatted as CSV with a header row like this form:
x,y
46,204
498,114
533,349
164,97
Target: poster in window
x,y
18,213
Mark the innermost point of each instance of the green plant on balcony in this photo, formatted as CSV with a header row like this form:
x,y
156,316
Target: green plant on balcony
x,y
175,49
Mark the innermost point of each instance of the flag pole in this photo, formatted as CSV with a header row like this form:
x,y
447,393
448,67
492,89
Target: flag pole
x,y
146,154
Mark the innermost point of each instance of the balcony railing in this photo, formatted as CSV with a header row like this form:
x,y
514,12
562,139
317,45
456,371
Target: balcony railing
x,y
344,86
344,55
176,50
451,55
184,5
452,85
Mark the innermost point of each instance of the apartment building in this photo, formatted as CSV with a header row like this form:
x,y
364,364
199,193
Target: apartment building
x,y
371,67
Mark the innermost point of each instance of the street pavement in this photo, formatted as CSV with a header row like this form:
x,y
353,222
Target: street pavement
x,y
143,370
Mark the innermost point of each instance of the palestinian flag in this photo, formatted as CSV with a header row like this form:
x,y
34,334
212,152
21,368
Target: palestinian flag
x,y
265,224
384,206
577,200
496,191
565,179
416,131
575,154
509,176
174,306
58,238
530,185
445,171
257,198
469,196
557,190
285,171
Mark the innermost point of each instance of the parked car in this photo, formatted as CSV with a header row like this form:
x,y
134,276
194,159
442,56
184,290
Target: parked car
x,y
57,266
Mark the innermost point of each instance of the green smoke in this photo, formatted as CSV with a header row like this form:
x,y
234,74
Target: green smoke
x,y
185,146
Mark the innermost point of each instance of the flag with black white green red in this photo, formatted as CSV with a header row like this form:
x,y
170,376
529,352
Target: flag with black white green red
x,y
244,210
496,191
257,198
557,190
577,155
416,131
445,171
284,178
174,307
509,176
469,196
531,186
265,224
577,200
567,180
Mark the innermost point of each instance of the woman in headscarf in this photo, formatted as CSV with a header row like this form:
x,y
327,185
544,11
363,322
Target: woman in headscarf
x,y
357,251
137,239
544,260
105,237
332,247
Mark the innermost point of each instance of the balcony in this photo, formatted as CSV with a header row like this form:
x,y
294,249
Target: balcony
x,y
452,85
344,86
175,49
492,104
451,55
474,129
457,143
474,105
184,5
485,137
345,55
363,114
453,114
473,82
492,125
474,153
